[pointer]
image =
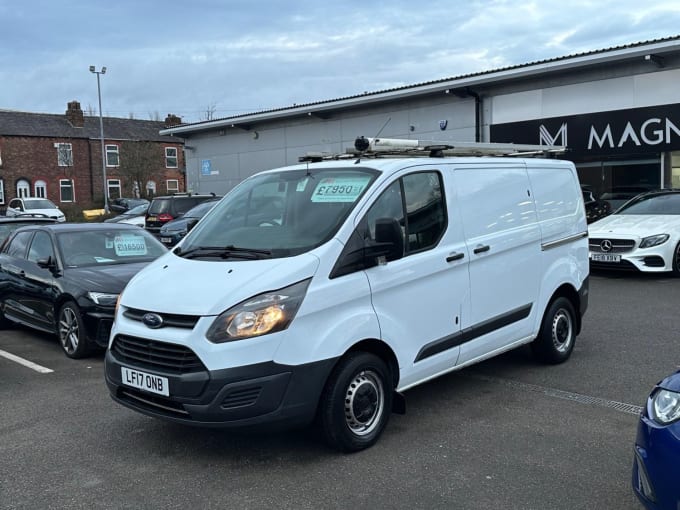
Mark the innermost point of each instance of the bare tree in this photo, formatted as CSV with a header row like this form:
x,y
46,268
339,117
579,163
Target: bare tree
x,y
140,162
209,112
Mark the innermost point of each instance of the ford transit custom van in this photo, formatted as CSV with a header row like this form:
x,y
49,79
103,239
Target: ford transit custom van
x,y
322,291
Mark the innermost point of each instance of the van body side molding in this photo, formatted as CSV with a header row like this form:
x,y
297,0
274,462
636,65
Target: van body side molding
x,y
566,240
448,342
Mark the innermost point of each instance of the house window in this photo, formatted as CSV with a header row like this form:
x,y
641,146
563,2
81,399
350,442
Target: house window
x,y
113,188
23,188
64,154
2,191
40,189
66,193
112,156
150,189
172,185
171,157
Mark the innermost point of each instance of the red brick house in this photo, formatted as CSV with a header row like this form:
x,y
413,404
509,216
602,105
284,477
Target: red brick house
x,y
59,157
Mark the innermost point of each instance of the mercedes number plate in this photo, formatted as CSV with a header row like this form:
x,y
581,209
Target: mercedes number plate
x,y
605,257
144,381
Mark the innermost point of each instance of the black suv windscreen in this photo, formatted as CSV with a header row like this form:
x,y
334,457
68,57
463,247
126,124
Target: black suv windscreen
x,y
280,214
159,206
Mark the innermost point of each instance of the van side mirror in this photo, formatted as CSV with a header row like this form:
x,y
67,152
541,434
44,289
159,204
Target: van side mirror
x,y
191,223
389,240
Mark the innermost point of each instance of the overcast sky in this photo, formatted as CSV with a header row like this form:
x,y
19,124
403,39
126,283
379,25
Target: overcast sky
x,y
233,56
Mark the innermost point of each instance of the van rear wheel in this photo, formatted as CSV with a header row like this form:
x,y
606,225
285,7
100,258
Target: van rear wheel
x,y
557,336
356,402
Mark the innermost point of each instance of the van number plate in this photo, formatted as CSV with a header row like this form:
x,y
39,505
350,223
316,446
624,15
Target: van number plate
x,y
144,381
605,257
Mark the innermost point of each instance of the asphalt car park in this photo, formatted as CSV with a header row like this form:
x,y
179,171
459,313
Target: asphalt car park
x,y
508,433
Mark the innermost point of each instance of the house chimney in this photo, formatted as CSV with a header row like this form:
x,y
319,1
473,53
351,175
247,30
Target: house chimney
x,y
75,115
172,120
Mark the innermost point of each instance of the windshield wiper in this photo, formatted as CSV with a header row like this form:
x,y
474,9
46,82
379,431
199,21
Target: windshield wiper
x,y
224,252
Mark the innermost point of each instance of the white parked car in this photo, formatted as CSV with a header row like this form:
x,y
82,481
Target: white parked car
x,y
34,206
644,234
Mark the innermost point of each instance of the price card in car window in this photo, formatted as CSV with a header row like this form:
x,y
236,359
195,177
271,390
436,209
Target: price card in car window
x,y
129,246
339,189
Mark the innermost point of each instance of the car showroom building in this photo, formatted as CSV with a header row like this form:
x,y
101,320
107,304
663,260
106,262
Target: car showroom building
x,y
616,109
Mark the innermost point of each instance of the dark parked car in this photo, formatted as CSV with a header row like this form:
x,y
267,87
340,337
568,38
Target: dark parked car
x,y
11,223
657,447
125,204
596,208
167,208
66,278
173,231
619,195
134,216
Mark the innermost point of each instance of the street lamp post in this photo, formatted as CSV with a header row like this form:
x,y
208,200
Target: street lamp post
x,y
101,135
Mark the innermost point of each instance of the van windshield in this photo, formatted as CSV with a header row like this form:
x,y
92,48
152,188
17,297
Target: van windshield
x,y
278,214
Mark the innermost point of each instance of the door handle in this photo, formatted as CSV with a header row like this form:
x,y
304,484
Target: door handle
x,y
481,249
455,256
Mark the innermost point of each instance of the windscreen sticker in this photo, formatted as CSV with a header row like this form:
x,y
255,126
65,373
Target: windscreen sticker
x,y
302,184
129,246
339,189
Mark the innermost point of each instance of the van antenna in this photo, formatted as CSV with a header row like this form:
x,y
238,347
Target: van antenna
x,y
376,136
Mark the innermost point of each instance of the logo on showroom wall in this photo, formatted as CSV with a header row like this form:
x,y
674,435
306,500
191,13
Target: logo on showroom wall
x,y
560,138
638,130
443,124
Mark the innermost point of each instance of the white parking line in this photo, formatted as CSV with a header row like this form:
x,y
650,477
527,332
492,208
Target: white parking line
x,y
25,362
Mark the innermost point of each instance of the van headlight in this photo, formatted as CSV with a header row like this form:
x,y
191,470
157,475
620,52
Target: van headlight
x,y
265,313
666,407
648,242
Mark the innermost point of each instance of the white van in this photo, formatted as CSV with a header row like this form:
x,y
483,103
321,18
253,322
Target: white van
x,y
325,289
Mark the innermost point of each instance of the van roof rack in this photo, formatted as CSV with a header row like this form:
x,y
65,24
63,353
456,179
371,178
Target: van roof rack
x,y
402,147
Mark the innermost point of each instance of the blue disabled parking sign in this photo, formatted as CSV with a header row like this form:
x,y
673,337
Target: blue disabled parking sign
x,y
205,167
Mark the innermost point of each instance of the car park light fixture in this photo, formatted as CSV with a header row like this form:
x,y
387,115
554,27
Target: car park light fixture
x,y
101,135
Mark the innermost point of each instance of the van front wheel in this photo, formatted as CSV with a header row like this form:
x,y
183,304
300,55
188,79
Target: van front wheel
x,y
556,338
356,402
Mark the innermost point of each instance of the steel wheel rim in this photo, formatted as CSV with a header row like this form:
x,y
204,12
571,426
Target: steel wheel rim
x,y
562,331
364,402
68,330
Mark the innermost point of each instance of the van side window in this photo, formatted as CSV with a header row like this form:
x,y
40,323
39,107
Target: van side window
x,y
425,211
425,220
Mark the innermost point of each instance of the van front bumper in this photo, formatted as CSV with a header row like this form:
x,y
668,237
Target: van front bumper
x,y
264,393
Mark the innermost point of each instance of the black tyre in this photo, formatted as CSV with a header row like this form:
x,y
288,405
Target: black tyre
x,y
676,261
71,331
356,402
557,336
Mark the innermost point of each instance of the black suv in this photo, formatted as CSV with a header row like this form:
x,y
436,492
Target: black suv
x,y
164,209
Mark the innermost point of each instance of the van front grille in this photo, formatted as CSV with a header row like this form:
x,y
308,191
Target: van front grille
x,y
161,356
169,319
